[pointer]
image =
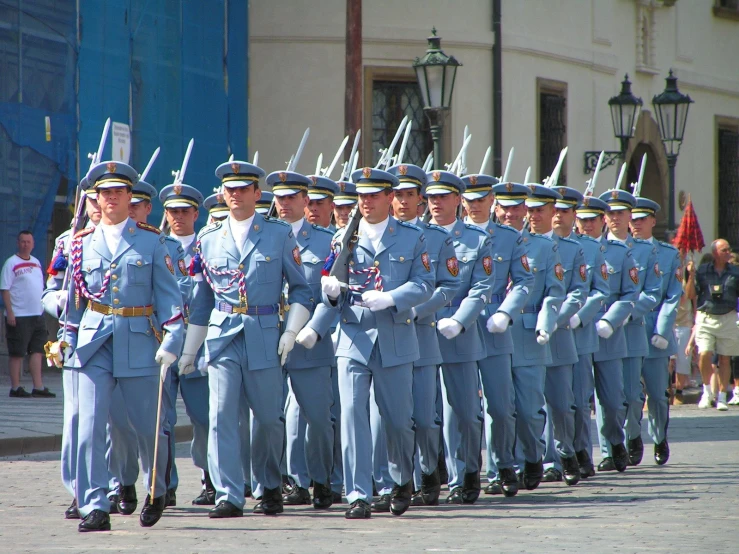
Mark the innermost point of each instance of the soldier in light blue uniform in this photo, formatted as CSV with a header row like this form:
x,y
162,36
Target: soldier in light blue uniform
x,y
590,212
263,204
238,274
648,283
560,427
125,296
506,305
461,340
531,334
309,447
53,299
659,324
389,274
344,203
320,209
440,249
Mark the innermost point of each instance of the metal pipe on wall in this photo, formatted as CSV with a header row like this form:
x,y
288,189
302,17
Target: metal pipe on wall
x,y
497,93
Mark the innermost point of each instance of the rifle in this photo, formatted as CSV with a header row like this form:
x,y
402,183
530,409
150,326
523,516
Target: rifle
x,y
338,262
291,165
179,177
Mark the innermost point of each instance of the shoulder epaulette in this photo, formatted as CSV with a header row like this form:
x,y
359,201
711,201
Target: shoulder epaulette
x,y
322,229
586,237
667,245
618,243
436,227
209,228
147,227
275,220
409,225
569,240
506,228
475,228
84,232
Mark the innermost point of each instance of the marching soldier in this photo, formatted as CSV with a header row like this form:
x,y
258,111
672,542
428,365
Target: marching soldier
x,y
344,203
389,274
659,325
648,281
531,333
506,305
309,448
321,203
558,388
411,179
124,286
589,212
461,342
238,273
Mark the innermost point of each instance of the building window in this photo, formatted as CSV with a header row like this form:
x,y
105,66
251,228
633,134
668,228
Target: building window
x,y
552,128
728,9
728,184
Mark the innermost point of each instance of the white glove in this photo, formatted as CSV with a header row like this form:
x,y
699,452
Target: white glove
x,y
307,338
658,341
575,322
164,359
53,303
56,355
542,337
193,341
604,329
330,286
449,327
376,300
297,317
498,322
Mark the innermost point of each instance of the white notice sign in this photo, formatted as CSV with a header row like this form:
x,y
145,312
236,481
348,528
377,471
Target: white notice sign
x,y
121,142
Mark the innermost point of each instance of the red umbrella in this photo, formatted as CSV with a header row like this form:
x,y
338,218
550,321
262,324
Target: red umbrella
x,y
689,237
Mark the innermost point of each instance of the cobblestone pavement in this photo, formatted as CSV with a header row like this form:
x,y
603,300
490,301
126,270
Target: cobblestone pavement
x,y
688,505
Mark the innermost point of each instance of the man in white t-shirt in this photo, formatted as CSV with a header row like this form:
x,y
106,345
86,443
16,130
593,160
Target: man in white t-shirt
x,y
21,284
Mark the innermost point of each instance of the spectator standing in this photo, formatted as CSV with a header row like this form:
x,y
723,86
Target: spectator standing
x,y
22,283
683,327
715,286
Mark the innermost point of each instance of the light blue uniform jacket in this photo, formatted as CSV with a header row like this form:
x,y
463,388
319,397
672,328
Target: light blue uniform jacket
x,y
586,338
661,320
270,253
650,286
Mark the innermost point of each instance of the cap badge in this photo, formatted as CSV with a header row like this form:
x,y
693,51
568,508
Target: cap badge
x,y
436,175
509,187
403,169
586,201
562,190
367,172
235,167
283,176
314,179
219,198
532,188
614,194
177,189
342,186
111,167
473,180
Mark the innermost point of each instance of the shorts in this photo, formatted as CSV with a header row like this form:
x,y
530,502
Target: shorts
x,y
717,333
683,365
27,337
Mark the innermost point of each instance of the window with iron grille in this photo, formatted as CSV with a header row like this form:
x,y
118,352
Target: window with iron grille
x,y
728,185
391,101
552,129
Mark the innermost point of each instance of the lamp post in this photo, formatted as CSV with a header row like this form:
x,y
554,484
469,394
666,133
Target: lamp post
x,y
671,108
624,109
436,73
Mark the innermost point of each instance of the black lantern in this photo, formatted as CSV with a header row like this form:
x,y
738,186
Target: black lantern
x,y
671,109
624,108
436,73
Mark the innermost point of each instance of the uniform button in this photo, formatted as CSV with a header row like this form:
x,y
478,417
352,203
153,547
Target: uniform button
x,y
315,260
116,301
500,258
267,258
138,262
344,320
464,258
534,270
241,266
115,289
408,321
351,262
377,264
114,277
402,259
113,266
433,324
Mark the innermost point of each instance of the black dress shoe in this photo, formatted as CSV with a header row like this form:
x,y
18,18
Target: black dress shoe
x,y
171,497
532,474
271,503
336,498
661,453
358,510
494,487
570,470
471,487
207,496
441,466
552,475
96,520
400,498
417,499
585,463
114,501
636,451
127,499
152,511
509,481
287,484
620,457
382,504
456,496
297,497
430,488
72,512
607,464
225,509
322,496
247,491
42,393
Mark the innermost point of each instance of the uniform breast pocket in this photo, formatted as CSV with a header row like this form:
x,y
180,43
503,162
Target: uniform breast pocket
x,y
502,266
268,268
92,272
312,267
217,271
139,270
466,261
400,265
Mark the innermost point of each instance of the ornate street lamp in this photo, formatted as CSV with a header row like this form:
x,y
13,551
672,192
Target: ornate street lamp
x,y
671,108
624,110
436,73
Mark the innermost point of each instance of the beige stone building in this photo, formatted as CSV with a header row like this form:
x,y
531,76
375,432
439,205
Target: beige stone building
x,y
561,62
